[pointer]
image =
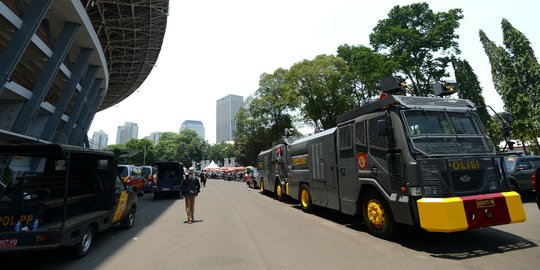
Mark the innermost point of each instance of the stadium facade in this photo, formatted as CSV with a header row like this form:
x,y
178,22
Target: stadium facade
x,y
61,61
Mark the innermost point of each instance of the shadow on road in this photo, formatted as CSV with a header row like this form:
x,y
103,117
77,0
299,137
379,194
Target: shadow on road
x,y
110,240
454,246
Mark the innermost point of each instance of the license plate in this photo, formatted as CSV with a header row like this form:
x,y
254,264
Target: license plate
x,y
8,243
485,203
165,189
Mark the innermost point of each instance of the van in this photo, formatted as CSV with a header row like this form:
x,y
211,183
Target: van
x,y
169,178
133,176
149,176
55,195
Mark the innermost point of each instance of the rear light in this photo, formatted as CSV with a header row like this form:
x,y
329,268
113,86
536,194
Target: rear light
x,y
43,239
534,182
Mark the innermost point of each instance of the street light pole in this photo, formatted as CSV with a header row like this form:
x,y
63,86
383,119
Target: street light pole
x,y
144,154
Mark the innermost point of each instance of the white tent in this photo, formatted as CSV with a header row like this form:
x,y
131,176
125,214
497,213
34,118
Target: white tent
x,y
212,165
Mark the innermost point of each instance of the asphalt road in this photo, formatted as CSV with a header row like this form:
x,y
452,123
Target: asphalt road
x,y
239,228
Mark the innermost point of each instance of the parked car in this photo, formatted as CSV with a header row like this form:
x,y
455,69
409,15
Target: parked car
x,y
149,173
536,185
132,176
519,170
169,178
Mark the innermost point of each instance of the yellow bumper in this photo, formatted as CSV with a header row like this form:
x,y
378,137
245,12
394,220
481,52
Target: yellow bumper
x,y
462,213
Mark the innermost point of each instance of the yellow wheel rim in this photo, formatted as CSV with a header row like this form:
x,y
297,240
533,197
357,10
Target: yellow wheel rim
x,y
278,191
375,213
305,198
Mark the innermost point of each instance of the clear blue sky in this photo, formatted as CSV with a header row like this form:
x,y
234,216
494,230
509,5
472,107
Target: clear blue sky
x,y
213,48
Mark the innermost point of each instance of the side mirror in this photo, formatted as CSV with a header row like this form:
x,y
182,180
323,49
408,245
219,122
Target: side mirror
x,y
521,167
382,128
508,117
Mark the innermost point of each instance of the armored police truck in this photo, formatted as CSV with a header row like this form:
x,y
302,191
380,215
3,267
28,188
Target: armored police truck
x,y
272,168
423,161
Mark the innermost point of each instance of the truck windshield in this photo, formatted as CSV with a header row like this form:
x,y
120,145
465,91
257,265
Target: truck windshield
x,y
443,133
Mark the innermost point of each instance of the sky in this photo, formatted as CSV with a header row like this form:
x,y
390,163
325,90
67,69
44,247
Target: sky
x,y
213,48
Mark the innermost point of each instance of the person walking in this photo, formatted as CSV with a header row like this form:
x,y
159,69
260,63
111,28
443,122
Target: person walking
x,y
190,188
203,179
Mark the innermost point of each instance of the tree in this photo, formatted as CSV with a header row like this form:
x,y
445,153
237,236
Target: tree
x,y
469,88
143,151
367,67
166,147
190,147
324,89
515,80
420,41
219,151
263,119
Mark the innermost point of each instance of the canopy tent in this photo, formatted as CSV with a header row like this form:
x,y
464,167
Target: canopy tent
x,y
211,166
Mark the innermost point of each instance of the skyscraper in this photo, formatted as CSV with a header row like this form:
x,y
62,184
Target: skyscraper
x,y
154,137
194,125
128,131
226,109
100,140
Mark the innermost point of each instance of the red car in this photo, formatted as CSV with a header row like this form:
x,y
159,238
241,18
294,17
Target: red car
x,y
536,185
133,177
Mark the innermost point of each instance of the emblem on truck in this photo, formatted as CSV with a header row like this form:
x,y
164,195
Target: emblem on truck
x,y
361,160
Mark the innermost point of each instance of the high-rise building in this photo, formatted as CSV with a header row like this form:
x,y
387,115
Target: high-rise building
x,y
100,140
194,125
154,137
226,109
126,132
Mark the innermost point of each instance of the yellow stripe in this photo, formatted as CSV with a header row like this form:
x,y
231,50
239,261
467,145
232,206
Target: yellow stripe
x,y
122,201
515,206
287,188
442,214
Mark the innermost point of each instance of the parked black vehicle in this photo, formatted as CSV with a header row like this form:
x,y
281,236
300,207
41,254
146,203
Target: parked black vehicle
x,y
169,178
519,170
55,195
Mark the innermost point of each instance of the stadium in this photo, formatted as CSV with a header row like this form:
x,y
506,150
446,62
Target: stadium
x,y
62,61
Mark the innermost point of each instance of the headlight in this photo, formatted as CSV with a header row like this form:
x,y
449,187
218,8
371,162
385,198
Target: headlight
x,y
416,191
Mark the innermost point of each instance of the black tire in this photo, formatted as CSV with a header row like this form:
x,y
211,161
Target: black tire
x,y
305,199
157,195
128,221
140,193
513,186
80,250
261,187
377,215
279,193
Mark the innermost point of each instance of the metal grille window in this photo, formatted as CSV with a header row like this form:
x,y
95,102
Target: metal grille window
x,y
375,140
360,132
317,162
345,137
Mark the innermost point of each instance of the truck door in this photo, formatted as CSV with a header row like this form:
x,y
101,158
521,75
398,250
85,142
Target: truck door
x,y
120,200
347,169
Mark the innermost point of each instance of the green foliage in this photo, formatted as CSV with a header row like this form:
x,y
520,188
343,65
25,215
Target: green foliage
x,y
420,41
219,151
516,76
366,68
265,116
143,151
469,88
323,88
